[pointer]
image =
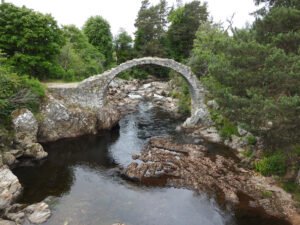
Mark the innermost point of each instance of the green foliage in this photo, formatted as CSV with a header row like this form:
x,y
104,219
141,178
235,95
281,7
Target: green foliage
x,y
267,194
123,46
274,164
292,188
78,57
251,140
184,22
181,93
97,29
228,129
18,92
30,40
281,28
248,153
255,84
150,35
150,29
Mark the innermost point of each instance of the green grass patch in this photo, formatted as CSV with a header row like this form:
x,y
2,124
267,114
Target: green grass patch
x,y
294,189
251,140
267,194
274,164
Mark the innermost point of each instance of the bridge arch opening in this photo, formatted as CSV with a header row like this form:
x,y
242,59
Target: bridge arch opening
x,y
100,83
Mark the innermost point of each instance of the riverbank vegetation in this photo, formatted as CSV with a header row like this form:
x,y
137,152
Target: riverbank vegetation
x,y
252,73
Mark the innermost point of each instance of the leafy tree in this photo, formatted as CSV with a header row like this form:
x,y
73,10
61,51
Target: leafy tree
x,y
78,57
17,92
281,28
30,40
184,22
151,25
255,84
97,29
150,36
279,3
123,45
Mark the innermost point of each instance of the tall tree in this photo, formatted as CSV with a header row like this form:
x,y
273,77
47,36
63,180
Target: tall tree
x,y
185,21
279,3
278,23
123,46
97,29
30,40
78,57
150,29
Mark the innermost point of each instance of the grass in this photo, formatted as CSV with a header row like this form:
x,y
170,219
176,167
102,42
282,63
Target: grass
x,y
294,189
267,194
274,164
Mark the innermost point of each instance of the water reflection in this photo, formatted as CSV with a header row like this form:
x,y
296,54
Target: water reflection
x,y
79,172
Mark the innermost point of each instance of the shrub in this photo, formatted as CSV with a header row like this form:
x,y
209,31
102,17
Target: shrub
x,y
251,140
17,92
274,164
228,129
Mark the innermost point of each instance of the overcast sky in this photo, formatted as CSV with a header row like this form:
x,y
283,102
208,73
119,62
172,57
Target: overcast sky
x,y
122,13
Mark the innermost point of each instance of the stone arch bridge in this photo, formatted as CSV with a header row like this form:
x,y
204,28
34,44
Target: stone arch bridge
x,y
92,91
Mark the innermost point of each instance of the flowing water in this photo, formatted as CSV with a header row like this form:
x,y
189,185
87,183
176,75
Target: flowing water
x,y
81,175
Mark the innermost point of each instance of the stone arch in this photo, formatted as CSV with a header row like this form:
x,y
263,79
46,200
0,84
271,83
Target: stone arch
x,y
98,84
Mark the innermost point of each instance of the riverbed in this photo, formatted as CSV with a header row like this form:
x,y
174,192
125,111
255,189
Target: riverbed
x,y
82,177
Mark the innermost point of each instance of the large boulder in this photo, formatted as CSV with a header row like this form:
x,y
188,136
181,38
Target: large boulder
x,y
60,121
38,213
107,118
26,129
10,187
25,125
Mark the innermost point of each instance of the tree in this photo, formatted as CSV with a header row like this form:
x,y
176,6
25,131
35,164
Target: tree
x,y
280,27
254,83
123,46
150,35
150,30
17,92
78,57
279,3
97,29
30,40
184,22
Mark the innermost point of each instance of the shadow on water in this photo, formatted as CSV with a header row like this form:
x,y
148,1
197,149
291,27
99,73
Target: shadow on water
x,y
80,173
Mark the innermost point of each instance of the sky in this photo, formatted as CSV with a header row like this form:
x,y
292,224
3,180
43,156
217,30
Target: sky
x,y
122,13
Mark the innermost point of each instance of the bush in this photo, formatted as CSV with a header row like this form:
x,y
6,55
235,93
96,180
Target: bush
x,y
182,93
274,164
253,83
228,129
251,140
18,92
225,127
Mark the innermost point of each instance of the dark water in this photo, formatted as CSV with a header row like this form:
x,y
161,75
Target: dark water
x,y
80,173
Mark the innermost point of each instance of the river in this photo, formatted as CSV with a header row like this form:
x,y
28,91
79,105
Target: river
x,y
81,176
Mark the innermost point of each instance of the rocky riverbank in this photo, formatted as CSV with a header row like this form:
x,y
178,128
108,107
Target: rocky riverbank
x,y
190,166
162,162
60,118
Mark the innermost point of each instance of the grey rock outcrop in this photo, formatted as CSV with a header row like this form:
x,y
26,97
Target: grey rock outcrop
x,y
26,129
25,124
10,187
7,222
62,118
38,213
